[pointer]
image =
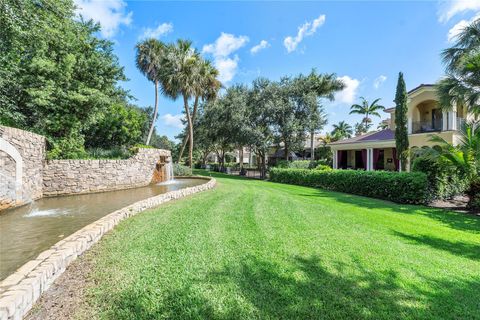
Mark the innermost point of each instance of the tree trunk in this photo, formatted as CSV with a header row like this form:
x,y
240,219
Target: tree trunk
x,y
184,143
263,166
190,130
154,115
187,138
286,151
240,155
312,147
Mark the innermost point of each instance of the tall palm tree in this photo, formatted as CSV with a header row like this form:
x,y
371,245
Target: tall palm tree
x,y
206,88
367,109
179,79
149,58
461,85
342,130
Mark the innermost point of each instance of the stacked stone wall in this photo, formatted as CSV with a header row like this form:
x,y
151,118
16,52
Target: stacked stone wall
x,y
22,154
61,177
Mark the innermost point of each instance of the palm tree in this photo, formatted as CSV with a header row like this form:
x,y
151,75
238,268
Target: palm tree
x,y
342,130
461,85
367,110
206,89
149,58
464,156
360,128
180,78
383,125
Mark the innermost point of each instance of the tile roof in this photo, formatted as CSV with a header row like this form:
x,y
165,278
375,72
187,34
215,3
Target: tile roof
x,y
382,135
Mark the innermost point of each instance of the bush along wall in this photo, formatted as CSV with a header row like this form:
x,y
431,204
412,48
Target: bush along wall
x,y
402,187
444,182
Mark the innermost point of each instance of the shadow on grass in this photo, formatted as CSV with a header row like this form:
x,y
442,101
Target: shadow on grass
x,y
466,250
305,290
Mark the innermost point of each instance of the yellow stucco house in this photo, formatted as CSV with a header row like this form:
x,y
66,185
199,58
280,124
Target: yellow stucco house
x,y
376,150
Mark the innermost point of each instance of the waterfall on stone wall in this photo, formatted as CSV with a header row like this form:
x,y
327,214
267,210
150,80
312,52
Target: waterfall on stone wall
x,y
7,188
169,171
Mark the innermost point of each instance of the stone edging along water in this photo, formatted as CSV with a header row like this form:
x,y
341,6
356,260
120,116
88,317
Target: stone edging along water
x,y
20,290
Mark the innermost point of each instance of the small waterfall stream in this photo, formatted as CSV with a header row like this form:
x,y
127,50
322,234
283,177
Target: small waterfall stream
x,y
169,171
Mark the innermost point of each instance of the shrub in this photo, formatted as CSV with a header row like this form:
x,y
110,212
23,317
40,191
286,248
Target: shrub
x,y
299,164
474,194
181,170
323,167
444,182
403,187
113,153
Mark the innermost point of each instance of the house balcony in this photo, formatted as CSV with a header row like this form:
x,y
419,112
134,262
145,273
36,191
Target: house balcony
x,y
427,126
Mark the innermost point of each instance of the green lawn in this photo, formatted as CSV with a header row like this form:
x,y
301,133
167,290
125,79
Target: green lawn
x,y
254,249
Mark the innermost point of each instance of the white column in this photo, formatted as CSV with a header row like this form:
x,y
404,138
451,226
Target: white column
x,y
444,121
369,159
410,125
335,163
454,120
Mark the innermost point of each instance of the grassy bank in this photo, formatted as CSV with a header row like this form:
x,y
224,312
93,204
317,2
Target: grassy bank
x,y
254,249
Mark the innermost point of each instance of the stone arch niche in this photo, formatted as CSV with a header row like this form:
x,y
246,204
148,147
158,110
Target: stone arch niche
x,y
11,173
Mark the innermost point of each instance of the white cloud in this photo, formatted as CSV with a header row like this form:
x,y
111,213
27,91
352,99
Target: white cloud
x,y
348,94
173,120
448,9
222,49
227,68
225,45
109,13
457,28
379,81
262,45
160,30
307,29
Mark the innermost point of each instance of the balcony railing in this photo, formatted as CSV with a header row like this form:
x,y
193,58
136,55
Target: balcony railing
x,y
427,126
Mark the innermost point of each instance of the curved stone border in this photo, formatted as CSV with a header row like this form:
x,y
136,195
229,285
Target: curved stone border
x,y
20,290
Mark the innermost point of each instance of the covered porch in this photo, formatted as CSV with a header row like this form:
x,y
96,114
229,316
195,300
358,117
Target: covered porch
x,y
372,151
366,159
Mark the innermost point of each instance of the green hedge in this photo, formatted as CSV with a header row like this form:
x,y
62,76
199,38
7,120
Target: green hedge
x,y
445,182
402,187
181,170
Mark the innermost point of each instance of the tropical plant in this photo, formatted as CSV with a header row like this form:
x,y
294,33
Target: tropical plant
x,y
367,110
464,156
383,125
150,56
401,131
342,130
461,85
206,89
360,128
179,79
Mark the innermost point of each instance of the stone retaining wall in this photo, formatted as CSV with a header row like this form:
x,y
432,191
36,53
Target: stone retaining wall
x,y
20,291
62,177
21,153
26,175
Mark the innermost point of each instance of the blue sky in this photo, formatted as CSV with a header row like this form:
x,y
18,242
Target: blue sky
x,y
366,43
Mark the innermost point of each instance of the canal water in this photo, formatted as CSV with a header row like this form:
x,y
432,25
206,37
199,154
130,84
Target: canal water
x,y
28,230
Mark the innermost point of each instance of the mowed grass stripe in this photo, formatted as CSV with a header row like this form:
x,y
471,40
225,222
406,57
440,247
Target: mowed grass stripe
x,y
254,249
